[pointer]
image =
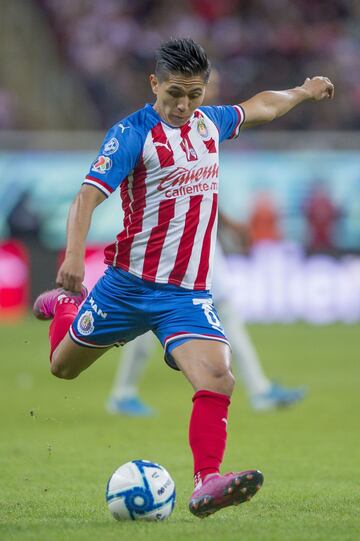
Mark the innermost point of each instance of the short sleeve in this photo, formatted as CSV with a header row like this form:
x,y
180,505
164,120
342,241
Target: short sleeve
x,y
118,155
227,118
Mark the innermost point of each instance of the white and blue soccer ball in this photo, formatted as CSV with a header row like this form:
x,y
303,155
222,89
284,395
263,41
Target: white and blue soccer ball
x,y
140,490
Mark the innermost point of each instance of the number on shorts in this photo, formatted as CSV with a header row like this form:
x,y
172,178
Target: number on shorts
x,y
210,314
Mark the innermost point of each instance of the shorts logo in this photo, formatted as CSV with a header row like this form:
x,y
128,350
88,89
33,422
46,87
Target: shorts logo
x,y
201,128
111,146
210,313
97,309
102,164
85,324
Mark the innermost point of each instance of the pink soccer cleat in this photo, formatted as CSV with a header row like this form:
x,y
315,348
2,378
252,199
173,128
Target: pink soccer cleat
x,y
218,491
45,304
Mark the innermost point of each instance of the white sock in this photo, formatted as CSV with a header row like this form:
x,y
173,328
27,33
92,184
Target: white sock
x,y
244,354
135,355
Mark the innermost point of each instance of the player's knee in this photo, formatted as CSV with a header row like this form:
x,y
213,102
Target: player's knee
x,y
62,372
224,379
229,382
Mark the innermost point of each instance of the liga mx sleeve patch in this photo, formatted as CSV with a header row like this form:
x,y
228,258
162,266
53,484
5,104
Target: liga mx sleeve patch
x,y
118,156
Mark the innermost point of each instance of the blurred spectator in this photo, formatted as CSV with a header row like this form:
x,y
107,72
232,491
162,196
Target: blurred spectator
x,y
257,44
321,215
23,222
263,220
233,235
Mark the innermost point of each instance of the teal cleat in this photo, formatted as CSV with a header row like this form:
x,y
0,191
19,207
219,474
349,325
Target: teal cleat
x,y
277,397
131,406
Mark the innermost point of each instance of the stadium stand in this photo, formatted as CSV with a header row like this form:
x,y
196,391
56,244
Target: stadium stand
x,y
37,90
256,44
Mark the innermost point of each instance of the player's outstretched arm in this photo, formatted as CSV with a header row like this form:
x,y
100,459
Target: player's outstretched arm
x,y
266,106
72,270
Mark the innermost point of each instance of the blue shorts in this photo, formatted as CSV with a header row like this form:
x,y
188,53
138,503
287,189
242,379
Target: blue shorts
x,y
122,306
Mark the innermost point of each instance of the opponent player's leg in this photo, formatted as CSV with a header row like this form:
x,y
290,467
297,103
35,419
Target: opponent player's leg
x,y
245,355
263,393
124,397
206,364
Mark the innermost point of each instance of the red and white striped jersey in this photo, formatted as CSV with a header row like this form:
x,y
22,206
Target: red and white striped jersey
x,y
168,181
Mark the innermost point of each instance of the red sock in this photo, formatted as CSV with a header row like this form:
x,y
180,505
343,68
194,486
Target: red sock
x,y
65,313
207,432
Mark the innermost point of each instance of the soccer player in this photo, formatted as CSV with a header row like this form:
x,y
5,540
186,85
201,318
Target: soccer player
x,y
263,393
164,157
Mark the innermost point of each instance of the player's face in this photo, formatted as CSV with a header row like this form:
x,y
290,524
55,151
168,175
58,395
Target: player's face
x,y
177,97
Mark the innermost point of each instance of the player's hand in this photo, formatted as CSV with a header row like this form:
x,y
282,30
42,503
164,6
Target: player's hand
x,y
71,274
319,88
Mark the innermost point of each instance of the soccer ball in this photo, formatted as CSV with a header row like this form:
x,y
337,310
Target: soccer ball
x,y
140,490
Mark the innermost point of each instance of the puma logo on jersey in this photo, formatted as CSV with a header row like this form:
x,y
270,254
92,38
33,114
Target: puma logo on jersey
x,y
123,128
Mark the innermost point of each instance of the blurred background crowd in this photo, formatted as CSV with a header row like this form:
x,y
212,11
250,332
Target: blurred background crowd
x,y
69,69
107,47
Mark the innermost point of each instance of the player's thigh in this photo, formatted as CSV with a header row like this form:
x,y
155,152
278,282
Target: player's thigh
x,y
70,359
206,364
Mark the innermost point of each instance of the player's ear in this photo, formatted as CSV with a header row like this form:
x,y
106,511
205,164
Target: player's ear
x,y
154,83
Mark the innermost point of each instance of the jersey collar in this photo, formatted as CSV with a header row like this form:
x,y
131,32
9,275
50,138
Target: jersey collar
x,y
150,108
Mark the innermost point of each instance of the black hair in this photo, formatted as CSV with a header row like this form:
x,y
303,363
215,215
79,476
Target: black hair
x,y
181,55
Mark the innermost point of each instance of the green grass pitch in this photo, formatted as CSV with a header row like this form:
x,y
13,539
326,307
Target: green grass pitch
x,y
58,446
